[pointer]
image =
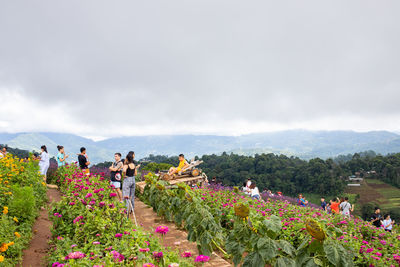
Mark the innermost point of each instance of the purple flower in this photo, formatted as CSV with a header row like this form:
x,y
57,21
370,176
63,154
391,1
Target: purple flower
x,y
157,255
88,195
118,235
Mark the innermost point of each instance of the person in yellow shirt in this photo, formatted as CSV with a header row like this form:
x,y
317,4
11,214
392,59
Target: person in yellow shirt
x,y
182,164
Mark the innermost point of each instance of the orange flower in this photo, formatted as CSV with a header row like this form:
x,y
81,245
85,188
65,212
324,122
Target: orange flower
x,y
3,247
1,258
5,210
17,234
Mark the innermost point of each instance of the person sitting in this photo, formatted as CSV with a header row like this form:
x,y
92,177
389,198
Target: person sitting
x,y
254,192
182,164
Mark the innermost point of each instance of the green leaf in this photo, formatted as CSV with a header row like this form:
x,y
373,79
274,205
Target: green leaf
x,y
332,253
274,224
303,244
253,259
267,248
310,263
318,262
286,247
285,262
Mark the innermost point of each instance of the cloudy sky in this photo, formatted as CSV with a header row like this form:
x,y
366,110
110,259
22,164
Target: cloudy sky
x,y
111,68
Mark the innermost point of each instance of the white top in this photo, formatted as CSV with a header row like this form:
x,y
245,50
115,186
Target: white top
x,y
255,191
44,158
387,224
345,206
248,183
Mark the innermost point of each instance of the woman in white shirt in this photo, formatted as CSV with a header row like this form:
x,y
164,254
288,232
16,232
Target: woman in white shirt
x,y
387,223
254,191
44,162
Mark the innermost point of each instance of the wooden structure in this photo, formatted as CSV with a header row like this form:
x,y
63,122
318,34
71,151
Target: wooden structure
x,y
198,179
189,175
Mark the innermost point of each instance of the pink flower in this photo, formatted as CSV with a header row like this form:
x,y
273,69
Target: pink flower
x,y
162,229
118,235
144,249
187,254
148,265
76,255
157,255
113,194
60,238
202,258
96,243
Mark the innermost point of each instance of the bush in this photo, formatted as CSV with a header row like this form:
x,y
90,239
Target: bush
x,y
23,204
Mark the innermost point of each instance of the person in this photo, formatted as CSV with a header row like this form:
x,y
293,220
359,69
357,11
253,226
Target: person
x,y
61,157
323,203
302,201
116,174
387,223
44,162
254,192
83,161
182,164
279,193
345,207
248,183
128,186
245,189
3,152
376,218
335,206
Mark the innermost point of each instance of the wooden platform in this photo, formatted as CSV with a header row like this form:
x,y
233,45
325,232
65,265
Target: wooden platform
x,y
186,180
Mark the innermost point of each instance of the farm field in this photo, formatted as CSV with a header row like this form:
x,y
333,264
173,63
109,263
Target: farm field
x,y
375,191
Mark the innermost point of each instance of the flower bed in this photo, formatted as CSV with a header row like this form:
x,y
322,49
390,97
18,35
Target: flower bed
x,y
90,228
22,193
272,232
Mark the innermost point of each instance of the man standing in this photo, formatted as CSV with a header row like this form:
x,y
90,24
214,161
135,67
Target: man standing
x,y
345,207
83,161
376,218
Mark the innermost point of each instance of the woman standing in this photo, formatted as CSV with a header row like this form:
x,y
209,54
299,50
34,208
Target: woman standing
x,y
128,186
61,157
44,162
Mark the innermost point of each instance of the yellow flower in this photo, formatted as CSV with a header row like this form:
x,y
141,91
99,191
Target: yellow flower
x,y
17,234
241,210
5,210
15,219
1,258
43,183
10,244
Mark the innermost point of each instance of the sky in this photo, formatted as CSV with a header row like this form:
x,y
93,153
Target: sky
x,y
119,68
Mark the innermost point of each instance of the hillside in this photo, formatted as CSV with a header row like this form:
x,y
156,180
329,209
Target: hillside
x,y
301,143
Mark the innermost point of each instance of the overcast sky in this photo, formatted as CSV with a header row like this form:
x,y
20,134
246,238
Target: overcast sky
x,y
111,68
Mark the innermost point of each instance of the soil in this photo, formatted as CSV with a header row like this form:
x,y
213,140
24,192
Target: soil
x,y
175,238
35,254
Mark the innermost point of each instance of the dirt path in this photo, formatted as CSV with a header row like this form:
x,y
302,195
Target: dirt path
x,y
35,254
175,238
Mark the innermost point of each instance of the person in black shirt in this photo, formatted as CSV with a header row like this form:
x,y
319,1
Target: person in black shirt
x,y
376,218
83,160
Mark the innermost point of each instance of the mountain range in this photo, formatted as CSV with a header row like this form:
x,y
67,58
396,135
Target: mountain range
x,y
302,143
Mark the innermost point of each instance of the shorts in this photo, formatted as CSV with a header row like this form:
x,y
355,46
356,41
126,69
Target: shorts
x,y
116,184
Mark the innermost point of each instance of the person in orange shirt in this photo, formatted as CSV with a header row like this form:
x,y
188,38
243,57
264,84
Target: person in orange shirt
x,y
334,206
182,163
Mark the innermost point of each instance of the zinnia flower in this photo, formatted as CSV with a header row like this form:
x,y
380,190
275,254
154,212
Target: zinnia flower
x,y
202,258
162,229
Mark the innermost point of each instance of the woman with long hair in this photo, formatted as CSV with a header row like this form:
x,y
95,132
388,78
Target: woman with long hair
x,y
61,157
44,162
128,186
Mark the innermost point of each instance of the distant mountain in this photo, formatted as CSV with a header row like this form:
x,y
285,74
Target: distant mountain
x,y
301,143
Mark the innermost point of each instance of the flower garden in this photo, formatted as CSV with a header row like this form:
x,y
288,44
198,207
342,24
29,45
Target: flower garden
x,y
274,232
22,194
90,228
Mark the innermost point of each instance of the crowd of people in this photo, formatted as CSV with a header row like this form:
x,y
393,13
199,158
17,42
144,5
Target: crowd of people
x,y
124,187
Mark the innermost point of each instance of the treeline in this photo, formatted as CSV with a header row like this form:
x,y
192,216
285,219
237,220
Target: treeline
x,y
277,173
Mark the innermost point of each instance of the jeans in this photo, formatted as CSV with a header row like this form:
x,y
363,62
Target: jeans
x,y
128,190
256,197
